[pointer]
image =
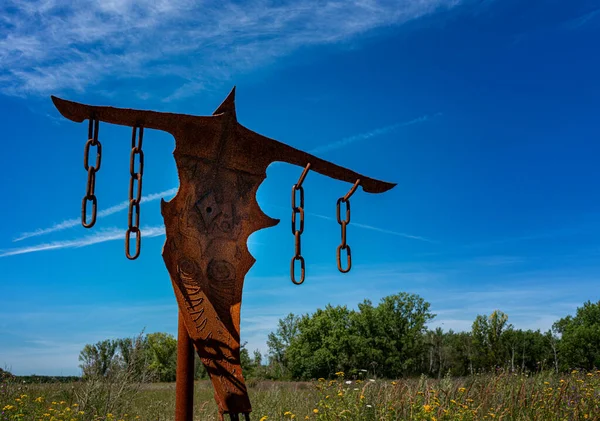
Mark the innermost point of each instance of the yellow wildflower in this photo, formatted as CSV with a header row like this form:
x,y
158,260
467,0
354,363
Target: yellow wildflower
x,y
7,408
286,413
340,394
462,389
76,405
264,418
394,383
38,399
316,411
340,374
427,408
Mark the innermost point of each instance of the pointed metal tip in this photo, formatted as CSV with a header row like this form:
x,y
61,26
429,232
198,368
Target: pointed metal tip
x,y
228,105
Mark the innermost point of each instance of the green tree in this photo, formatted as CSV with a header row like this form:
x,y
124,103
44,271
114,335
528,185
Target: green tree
x,y
487,334
133,354
579,346
321,347
527,350
278,343
403,319
162,349
386,340
98,359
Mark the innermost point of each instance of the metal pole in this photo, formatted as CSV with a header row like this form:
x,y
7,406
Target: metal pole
x,y
184,383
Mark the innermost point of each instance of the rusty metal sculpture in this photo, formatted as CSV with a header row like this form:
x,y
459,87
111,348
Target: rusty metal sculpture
x,y
221,165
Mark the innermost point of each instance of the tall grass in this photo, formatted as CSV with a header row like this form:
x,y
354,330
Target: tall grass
x,y
502,396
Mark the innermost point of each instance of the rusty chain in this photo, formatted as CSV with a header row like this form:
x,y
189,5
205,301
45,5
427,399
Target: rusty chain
x,y
344,224
91,170
298,210
134,202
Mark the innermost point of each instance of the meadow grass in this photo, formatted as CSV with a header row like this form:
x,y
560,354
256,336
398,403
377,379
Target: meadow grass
x,y
503,396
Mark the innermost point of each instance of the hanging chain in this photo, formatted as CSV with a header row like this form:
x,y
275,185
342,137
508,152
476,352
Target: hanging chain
x,y
298,210
344,224
133,221
91,179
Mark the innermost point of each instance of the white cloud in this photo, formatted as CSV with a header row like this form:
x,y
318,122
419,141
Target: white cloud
x,y
70,223
99,237
49,46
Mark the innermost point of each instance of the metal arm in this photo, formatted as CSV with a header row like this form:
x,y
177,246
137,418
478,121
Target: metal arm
x,y
247,142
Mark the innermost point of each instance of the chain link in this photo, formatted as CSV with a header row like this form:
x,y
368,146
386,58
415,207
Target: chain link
x,y
344,223
298,210
133,216
91,170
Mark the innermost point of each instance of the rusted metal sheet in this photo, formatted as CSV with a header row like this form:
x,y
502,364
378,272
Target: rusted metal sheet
x,y
221,165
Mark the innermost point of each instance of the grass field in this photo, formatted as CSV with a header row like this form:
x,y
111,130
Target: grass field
x,y
546,396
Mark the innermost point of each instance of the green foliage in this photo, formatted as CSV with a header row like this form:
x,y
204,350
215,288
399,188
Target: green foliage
x,y
162,349
278,342
487,336
99,359
391,341
386,340
579,346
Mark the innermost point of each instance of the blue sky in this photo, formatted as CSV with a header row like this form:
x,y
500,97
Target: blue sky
x,y
486,114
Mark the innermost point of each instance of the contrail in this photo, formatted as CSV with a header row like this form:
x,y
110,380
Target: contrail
x,y
377,132
372,228
70,223
100,237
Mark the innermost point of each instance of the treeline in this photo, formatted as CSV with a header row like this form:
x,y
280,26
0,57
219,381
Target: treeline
x,y
147,358
390,340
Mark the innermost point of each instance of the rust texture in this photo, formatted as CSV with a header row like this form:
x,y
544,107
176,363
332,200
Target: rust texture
x,y
220,165
184,384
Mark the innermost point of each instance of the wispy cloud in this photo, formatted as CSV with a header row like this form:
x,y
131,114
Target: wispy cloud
x,y
70,223
382,230
48,46
99,237
582,20
373,133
